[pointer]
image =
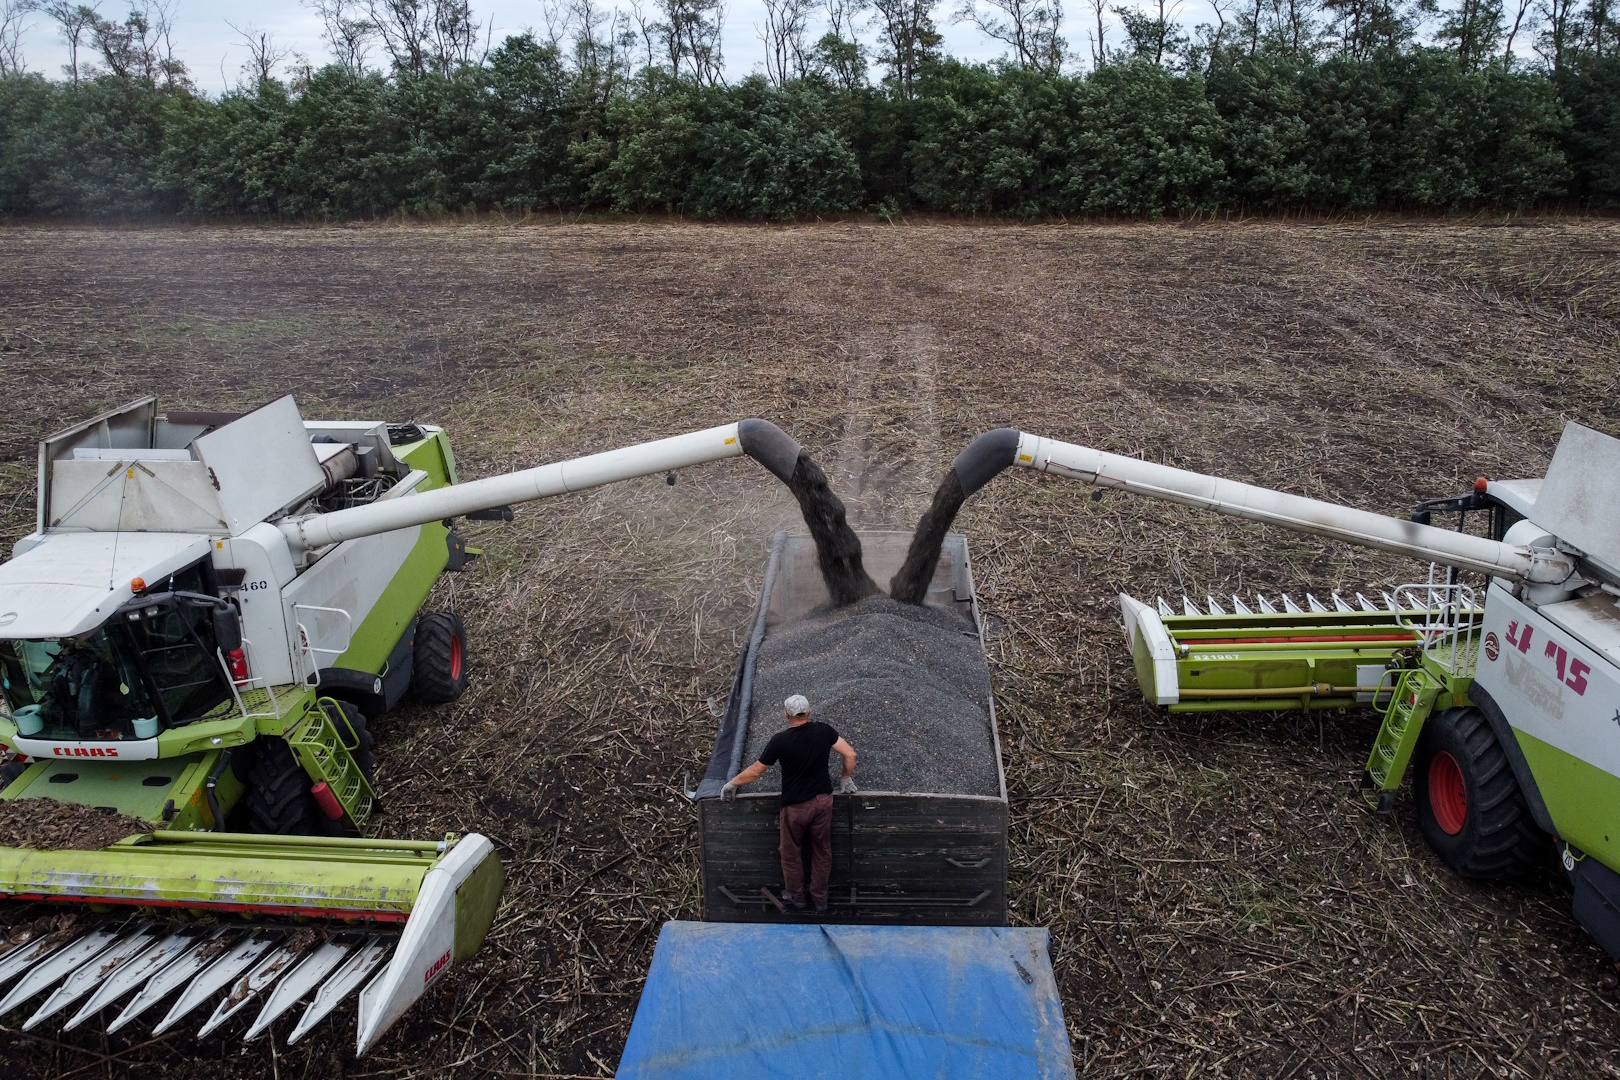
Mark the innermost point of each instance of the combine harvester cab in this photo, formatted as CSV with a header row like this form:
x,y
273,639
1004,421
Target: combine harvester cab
x,y
193,639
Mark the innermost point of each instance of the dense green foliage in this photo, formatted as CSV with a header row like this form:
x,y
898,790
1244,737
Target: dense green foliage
x,y
531,127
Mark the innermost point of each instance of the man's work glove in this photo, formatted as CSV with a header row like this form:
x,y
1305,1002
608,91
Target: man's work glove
x,y
847,785
729,792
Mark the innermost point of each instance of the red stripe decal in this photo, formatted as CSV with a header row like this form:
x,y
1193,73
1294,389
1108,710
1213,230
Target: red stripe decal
x,y
205,905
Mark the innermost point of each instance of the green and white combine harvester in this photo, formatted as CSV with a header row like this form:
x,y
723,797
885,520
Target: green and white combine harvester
x,y
209,612
1506,698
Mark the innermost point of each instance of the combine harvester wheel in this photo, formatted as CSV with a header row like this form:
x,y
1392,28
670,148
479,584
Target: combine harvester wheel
x,y
1470,807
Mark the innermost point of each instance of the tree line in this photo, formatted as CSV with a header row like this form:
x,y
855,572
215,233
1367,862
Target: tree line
x,y
1280,105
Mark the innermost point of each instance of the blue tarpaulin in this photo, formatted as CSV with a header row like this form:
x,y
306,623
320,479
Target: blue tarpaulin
x,y
754,1001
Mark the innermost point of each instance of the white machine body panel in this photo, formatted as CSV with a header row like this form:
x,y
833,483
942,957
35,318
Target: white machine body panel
x,y
133,491
261,554
427,947
261,464
331,599
1518,495
121,750
68,583
1550,684
1143,622
1579,501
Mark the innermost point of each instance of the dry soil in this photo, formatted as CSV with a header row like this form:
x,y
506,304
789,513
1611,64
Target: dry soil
x,y
1219,902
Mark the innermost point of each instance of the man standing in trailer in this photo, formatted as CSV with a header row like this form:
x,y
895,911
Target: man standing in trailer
x,y
805,814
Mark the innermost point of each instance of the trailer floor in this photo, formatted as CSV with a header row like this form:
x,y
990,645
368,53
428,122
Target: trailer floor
x,y
1219,903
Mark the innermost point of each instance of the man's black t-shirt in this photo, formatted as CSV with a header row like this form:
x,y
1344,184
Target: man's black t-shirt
x,y
802,751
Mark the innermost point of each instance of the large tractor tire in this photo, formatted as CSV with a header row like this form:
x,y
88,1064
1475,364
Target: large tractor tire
x,y
439,658
278,789
278,795
1470,807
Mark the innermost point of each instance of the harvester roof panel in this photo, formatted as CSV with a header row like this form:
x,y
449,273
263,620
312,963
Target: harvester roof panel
x,y
70,583
1517,495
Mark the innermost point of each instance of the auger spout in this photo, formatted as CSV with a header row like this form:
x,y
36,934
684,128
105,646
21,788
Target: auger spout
x,y
995,450
1296,512
760,439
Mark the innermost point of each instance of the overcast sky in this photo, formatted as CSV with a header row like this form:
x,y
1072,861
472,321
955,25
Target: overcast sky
x,y
214,53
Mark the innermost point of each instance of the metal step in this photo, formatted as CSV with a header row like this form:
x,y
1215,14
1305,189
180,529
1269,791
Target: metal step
x,y
1409,706
227,968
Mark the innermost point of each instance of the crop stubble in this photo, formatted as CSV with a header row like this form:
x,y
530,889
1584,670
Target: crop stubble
x,y
1219,904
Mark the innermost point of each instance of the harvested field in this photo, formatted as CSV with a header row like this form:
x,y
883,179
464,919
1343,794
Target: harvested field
x,y
1219,902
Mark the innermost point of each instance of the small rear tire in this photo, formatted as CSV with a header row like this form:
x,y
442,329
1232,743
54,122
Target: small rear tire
x,y
439,658
1471,809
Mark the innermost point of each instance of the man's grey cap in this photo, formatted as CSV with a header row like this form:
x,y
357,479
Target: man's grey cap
x,y
797,705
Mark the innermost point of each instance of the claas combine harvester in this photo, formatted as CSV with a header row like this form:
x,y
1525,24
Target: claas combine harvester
x,y
1503,695
209,612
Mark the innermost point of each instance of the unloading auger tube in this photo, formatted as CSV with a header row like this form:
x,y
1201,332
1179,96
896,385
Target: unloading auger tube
x,y
759,439
995,450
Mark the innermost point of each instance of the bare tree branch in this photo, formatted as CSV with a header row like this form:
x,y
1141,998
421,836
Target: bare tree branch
x,y
1523,7
909,38
690,32
1031,28
73,21
786,52
348,31
264,55
13,18
423,36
